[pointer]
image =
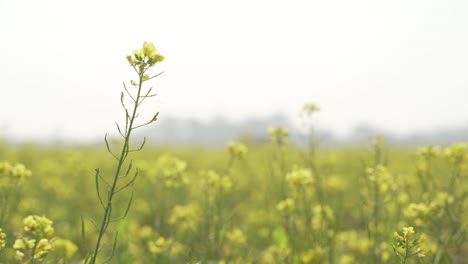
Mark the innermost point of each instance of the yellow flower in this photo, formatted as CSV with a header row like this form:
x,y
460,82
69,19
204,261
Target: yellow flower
x,y
408,245
216,182
300,177
146,56
407,232
457,152
19,255
286,205
236,236
65,247
19,244
310,108
148,49
176,249
4,167
185,216
172,171
322,217
38,225
422,238
237,150
159,246
278,134
382,177
347,259
42,248
315,255
428,152
19,170
275,254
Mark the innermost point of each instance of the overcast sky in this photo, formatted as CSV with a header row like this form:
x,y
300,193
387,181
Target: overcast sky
x,y
398,65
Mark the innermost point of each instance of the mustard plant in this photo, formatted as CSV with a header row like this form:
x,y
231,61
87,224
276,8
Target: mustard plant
x,y
380,190
9,185
237,151
141,61
427,154
307,115
65,249
407,245
278,137
215,187
36,243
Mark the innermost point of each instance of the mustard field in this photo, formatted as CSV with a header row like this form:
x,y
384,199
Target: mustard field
x,y
267,202
248,202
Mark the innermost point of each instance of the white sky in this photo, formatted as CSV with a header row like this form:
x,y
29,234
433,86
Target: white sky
x,y
398,65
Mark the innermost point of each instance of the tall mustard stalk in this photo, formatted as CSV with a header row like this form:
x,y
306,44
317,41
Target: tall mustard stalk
x,y
141,61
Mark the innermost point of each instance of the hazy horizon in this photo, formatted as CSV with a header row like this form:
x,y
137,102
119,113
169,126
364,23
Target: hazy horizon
x,y
399,66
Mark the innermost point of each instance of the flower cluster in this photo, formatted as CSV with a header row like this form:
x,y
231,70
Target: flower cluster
x,y
315,255
437,208
16,170
429,152
159,245
215,182
276,254
457,153
309,108
236,236
409,244
278,134
286,205
171,171
323,217
185,217
65,248
38,245
300,177
382,177
237,150
146,56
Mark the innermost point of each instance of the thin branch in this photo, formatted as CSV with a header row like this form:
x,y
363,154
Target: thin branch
x,y
141,147
156,75
136,70
97,188
129,183
120,132
113,248
126,211
155,118
108,147
94,224
127,117
107,219
130,166
104,180
147,95
82,228
129,94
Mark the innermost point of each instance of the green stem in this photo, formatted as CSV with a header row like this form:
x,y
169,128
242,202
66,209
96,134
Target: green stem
x,y
406,254
6,202
110,195
229,165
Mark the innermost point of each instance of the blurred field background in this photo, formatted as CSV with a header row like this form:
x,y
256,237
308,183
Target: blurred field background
x,y
262,202
236,169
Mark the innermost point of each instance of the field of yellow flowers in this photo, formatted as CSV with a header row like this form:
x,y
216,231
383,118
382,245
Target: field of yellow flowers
x,y
267,202
251,202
